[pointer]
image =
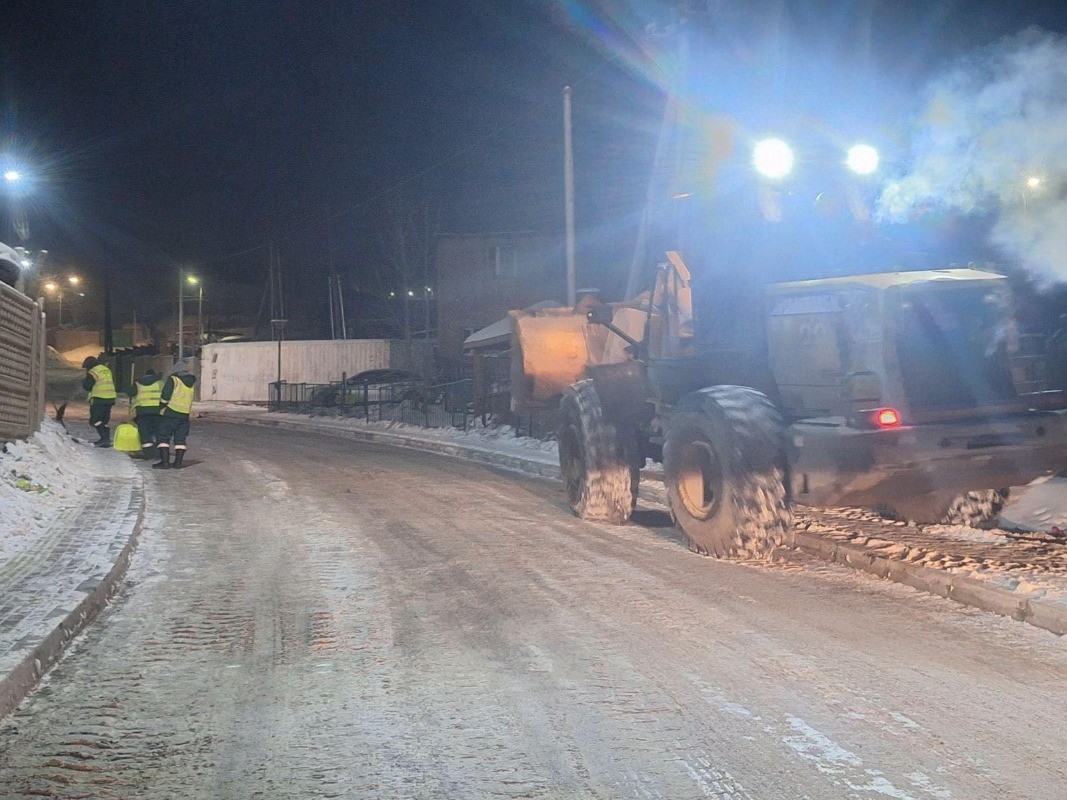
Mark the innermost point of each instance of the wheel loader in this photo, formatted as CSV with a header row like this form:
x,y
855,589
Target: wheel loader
x,y
907,392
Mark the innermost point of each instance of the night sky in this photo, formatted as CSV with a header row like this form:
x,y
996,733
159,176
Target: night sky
x,y
164,134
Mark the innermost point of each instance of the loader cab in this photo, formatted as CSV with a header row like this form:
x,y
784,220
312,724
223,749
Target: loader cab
x,y
926,343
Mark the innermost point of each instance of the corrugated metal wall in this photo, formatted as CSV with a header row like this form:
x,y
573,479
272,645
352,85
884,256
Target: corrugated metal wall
x,y
22,352
241,372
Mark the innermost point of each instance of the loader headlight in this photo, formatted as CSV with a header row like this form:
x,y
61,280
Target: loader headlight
x,y
862,159
772,158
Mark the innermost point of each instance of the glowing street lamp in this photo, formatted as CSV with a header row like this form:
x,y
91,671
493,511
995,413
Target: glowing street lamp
x,y
773,158
12,176
58,288
1033,182
192,280
862,159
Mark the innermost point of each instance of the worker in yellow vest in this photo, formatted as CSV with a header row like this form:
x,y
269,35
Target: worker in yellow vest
x,y
175,406
100,385
144,402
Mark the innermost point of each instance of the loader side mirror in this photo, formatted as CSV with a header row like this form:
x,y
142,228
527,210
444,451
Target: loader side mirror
x,y
600,314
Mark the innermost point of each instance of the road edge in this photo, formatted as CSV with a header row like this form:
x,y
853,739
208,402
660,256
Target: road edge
x,y
958,588
17,684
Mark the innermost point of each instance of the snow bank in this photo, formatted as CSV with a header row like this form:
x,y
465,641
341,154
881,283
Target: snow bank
x,y
39,479
498,438
1041,506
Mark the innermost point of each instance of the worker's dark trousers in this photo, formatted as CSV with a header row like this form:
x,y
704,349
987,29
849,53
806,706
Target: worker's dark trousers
x,y
99,417
172,428
147,424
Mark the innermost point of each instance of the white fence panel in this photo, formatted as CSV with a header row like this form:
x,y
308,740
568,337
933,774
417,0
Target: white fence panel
x,y
240,372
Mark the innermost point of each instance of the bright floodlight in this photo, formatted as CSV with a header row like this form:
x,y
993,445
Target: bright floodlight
x,y
12,176
862,159
74,280
50,286
193,280
1034,182
772,158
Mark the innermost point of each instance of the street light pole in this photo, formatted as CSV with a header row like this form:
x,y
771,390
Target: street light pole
x,y
200,315
181,315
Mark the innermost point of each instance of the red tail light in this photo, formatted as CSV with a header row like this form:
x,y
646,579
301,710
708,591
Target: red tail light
x,y
886,418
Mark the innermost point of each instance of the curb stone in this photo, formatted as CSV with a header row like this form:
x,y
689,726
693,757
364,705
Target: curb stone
x,y
23,679
959,588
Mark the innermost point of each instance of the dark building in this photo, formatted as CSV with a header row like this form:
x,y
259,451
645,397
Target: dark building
x,y
480,277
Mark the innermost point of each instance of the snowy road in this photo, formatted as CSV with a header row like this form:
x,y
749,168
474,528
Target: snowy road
x,y
310,617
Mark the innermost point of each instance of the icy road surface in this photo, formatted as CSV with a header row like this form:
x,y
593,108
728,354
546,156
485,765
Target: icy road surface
x,y
310,618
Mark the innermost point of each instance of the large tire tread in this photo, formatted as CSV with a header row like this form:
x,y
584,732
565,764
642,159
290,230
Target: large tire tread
x,y
757,518
605,490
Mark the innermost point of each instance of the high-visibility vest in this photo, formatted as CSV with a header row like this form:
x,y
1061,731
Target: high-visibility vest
x,y
147,395
104,384
181,398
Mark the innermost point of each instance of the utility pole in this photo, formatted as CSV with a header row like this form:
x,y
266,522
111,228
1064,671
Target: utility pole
x,y
200,313
181,315
109,334
568,192
329,298
341,308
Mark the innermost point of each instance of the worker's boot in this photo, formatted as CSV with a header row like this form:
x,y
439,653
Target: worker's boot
x,y
164,459
148,451
105,436
179,456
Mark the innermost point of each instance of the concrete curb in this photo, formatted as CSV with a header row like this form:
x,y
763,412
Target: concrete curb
x,y
959,588
24,678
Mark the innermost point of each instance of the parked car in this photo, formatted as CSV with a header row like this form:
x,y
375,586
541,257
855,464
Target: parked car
x,y
373,386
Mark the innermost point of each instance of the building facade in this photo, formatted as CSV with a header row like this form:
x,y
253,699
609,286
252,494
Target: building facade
x,y
480,277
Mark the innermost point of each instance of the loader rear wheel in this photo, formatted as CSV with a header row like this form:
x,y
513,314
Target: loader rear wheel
x,y
724,468
977,509
597,458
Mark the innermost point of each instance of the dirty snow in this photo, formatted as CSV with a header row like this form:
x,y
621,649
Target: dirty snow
x,y
498,438
1039,507
53,470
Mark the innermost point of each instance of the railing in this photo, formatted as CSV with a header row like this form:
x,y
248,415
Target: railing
x,y
441,405
437,406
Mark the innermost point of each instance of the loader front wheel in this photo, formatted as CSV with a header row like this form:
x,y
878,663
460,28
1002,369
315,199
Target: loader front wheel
x,y
596,458
724,469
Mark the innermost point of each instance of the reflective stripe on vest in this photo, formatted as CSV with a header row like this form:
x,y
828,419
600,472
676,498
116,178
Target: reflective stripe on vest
x,y
181,398
147,394
104,385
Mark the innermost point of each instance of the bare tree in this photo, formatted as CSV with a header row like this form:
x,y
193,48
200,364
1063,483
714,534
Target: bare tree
x,y
412,222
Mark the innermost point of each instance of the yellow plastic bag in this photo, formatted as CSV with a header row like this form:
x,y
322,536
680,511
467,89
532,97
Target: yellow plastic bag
x,y
127,439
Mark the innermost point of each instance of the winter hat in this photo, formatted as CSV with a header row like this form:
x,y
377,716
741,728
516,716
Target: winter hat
x,y
181,367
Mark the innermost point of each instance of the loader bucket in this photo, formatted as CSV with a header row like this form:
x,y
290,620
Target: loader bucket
x,y
550,350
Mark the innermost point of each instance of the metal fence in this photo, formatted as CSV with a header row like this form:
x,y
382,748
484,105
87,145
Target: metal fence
x,y
22,364
441,405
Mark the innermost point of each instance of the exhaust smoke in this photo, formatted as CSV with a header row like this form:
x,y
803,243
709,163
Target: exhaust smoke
x,y
993,140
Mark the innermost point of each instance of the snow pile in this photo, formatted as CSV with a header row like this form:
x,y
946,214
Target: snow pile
x,y
498,438
962,533
1041,506
39,478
